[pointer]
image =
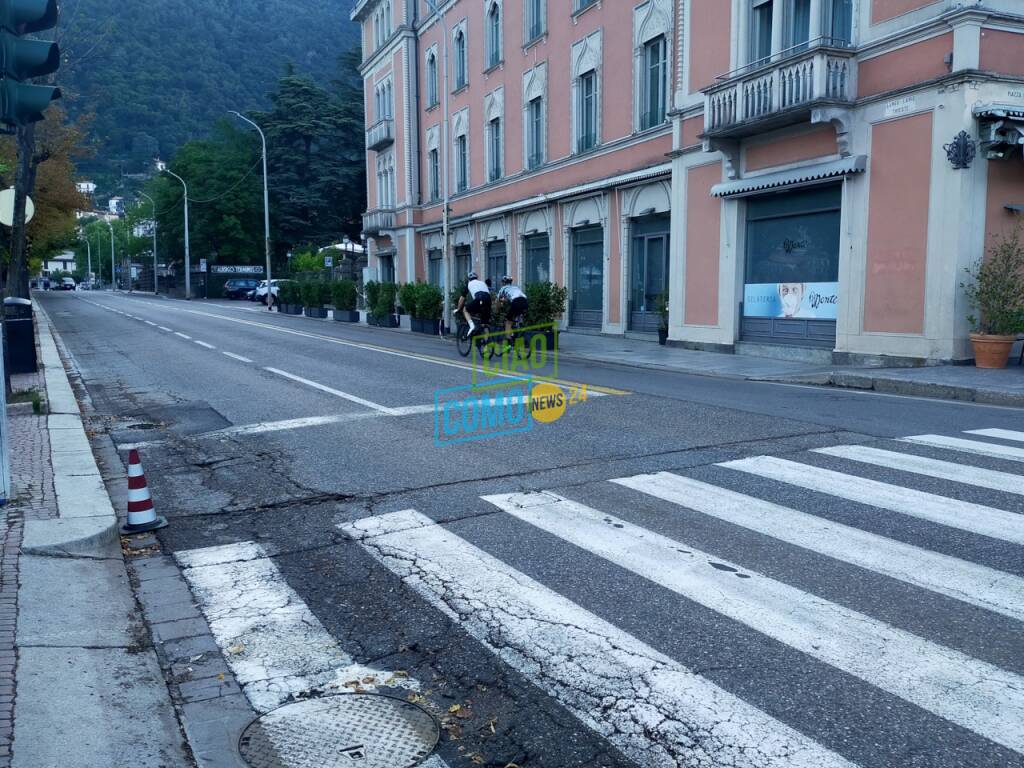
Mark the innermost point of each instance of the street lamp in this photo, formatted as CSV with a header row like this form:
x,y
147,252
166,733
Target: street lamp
x,y
88,252
188,261
113,277
445,258
266,205
153,203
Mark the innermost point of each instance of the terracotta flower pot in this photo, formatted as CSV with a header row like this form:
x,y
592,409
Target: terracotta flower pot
x,y
991,351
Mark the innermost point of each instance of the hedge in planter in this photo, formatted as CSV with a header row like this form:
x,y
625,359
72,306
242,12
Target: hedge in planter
x,y
382,311
547,303
344,295
407,298
289,298
315,294
429,306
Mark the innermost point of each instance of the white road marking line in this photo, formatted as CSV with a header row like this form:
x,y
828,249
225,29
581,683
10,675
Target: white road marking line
x,y
962,580
669,715
922,465
204,344
150,322
179,333
332,391
999,434
963,515
976,447
164,328
238,357
287,424
273,643
971,693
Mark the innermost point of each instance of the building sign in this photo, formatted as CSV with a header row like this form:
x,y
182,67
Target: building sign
x,y
236,269
328,262
901,106
817,301
202,265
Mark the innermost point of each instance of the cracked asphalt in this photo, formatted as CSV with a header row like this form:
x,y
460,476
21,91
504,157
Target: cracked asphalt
x,y
560,657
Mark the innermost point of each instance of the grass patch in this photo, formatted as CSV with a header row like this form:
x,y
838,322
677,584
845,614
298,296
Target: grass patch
x,y
28,396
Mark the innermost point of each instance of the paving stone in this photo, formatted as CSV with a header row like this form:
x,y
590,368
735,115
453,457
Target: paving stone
x,y
174,630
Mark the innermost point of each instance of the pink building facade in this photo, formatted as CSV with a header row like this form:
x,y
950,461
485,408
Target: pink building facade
x,y
800,177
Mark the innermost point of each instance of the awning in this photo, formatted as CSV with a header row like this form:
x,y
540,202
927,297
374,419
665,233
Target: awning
x,y
807,174
1015,207
995,110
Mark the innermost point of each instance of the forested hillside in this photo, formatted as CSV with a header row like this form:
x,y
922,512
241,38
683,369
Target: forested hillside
x,y
161,72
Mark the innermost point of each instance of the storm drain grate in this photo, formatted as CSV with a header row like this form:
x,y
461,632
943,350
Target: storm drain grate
x,y
351,730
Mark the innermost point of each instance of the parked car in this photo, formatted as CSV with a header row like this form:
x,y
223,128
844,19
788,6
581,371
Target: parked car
x,y
261,290
67,284
239,287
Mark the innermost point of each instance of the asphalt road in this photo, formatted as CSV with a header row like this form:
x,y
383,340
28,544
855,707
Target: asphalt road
x,y
793,608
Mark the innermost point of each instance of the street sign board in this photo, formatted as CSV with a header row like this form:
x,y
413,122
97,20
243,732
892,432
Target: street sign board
x,y
7,208
202,265
328,262
236,269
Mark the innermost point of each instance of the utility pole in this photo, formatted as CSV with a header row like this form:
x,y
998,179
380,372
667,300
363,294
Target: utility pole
x,y
446,259
113,276
266,207
188,261
153,203
88,268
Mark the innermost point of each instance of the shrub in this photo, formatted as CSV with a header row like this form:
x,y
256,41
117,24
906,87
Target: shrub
x,y
547,302
344,295
996,290
312,292
372,292
288,292
407,294
429,302
385,303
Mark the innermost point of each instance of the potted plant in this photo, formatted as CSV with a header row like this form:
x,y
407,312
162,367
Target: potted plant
x,y
407,301
344,296
383,309
661,306
313,298
289,296
371,293
547,303
429,306
996,294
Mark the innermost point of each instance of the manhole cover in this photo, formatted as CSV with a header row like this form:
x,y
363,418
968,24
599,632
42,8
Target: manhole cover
x,y
352,730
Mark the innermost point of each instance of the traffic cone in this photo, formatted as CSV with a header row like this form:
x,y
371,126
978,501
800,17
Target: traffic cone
x,y
141,514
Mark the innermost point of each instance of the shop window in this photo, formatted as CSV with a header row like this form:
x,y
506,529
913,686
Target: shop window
x,y
435,267
536,259
497,262
463,259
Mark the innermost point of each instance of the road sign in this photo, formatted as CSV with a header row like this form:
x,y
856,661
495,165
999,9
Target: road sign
x,y
236,269
7,208
202,265
328,262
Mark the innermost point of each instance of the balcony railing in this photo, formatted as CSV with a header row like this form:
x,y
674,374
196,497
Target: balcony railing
x,y
381,134
375,222
783,87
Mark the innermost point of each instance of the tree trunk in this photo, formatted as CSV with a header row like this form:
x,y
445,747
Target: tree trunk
x,y
17,276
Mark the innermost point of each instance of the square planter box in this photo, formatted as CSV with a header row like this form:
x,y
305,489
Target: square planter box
x,y
386,321
346,315
318,312
551,338
429,327
291,309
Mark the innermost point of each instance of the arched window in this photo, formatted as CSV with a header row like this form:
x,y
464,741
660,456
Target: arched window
x,y
431,80
460,59
387,19
494,35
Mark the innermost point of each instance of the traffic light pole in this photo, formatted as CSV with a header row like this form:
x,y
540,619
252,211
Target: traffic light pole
x,y
188,261
266,207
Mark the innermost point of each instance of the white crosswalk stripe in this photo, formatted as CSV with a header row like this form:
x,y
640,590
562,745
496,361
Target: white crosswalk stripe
x,y
583,661
999,434
922,465
976,518
969,582
977,447
976,695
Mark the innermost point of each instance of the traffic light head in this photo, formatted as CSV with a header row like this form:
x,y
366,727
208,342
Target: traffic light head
x,y
23,17
23,103
25,58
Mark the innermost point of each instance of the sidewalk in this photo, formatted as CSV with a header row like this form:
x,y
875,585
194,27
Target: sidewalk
x,y
948,382
80,686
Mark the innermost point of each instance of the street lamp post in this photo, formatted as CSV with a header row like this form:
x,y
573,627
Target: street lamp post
x,y
188,261
113,276
153,203
266,205
446,256
88,268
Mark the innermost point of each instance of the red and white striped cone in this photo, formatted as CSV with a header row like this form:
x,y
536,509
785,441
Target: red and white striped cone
x,y
141,513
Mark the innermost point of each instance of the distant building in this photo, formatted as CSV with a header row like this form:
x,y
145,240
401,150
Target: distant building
x,y
62,262
86,187
116,206
143,229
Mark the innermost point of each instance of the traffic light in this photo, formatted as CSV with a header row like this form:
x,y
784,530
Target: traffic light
x,y
22,103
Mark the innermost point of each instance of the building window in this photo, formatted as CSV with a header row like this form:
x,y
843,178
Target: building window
x,y
655,82
761,18
495,149
434,175
432,99
435,267
497,261
537,259
493,36
462,163
582,4
586,121
798,25
534,19
463,259
386,267
535,133
460,60
839,24
387,19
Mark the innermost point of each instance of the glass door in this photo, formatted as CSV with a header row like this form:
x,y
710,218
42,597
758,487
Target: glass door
x,y
648,281
587,277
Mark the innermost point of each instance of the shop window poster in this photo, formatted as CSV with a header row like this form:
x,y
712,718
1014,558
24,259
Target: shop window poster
x,y
812,301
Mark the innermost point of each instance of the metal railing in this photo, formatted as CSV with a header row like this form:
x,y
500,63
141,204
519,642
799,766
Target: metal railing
x,y
381,134
378,220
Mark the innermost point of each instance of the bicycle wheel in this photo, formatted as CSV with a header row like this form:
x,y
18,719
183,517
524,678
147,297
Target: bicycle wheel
x,y
463,341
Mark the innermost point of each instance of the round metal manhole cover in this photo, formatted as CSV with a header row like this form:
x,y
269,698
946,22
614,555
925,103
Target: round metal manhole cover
x,y
347,731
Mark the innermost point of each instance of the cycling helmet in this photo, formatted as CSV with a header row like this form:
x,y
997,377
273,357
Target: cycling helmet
x,y
506,280
472,276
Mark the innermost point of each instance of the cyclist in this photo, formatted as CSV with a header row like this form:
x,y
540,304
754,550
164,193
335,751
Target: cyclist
x,y
479,303
517,304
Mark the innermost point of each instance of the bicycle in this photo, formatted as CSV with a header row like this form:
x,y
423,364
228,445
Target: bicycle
x,y
465,341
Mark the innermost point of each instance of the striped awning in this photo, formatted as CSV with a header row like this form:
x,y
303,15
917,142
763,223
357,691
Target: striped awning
x,y
807,174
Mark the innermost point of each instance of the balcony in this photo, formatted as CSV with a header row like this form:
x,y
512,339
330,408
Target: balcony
x,y
375,222
782,91
380,135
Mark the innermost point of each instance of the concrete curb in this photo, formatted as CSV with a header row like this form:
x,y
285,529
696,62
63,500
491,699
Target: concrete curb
x,y
87,526
896,386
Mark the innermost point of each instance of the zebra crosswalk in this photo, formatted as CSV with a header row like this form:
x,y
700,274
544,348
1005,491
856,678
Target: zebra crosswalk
x,y
835,682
